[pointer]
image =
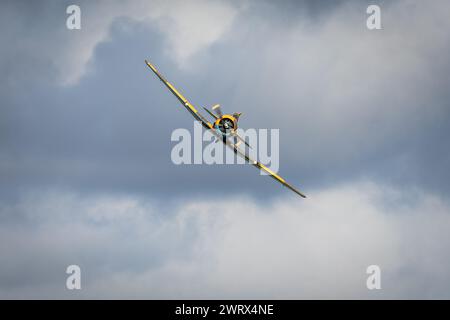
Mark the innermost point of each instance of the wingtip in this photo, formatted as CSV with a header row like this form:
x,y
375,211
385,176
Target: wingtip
x,y
299,193
296,191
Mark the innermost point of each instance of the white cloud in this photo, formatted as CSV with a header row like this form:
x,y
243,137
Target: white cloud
x,y
36,35
289,248
190,26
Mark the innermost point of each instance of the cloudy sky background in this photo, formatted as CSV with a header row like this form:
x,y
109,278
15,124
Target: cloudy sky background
x,y
86,175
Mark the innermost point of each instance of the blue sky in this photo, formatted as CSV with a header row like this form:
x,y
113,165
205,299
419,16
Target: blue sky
x,y
85,150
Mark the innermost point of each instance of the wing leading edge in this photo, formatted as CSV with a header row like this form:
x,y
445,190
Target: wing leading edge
x,y
181,98
209,125
263,167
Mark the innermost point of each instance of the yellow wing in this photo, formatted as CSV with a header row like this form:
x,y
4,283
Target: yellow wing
x,y
262,167
182,99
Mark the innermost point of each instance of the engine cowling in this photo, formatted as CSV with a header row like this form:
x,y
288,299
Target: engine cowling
x,y
226,124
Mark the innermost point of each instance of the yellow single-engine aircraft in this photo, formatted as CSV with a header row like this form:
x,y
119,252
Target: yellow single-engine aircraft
x,y
224,126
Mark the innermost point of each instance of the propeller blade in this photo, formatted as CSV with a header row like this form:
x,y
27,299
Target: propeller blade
x,y
217,110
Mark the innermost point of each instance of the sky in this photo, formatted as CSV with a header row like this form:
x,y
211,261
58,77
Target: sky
x,y
87,179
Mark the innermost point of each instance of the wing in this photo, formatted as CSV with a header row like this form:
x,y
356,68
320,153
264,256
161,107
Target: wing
x,y
259,165
181,98
211,114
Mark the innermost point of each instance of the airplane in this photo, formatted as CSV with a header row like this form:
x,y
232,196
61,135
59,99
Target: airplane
x,y
223,127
